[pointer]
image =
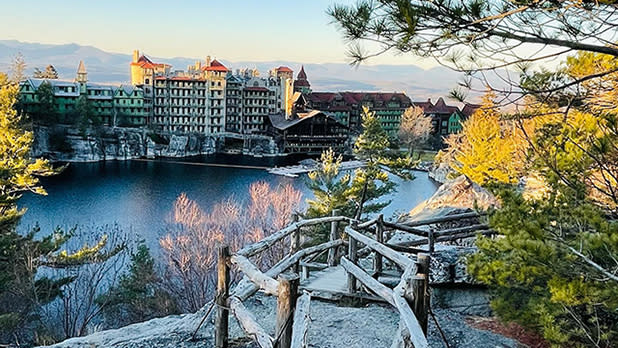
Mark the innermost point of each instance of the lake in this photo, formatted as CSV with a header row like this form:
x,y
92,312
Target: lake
x,y
139,195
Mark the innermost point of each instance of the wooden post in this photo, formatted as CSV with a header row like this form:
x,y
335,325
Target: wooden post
x,y
420,288
301,322
352,256
422,263
223,284
431,237
286,301
295,238
295,241
377,257
332,253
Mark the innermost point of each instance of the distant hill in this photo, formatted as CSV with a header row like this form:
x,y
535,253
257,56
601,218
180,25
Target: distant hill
x,y
104,66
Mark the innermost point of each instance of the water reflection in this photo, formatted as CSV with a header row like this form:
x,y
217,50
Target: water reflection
x,y
139,195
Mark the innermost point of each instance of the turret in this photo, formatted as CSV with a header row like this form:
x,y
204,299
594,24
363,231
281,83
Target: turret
x,y
82,74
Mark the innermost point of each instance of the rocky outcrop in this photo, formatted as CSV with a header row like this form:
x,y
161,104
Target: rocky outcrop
x,y
64,143
441,172
68,144
455,196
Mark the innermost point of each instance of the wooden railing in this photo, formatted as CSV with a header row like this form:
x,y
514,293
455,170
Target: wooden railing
x,y
410,296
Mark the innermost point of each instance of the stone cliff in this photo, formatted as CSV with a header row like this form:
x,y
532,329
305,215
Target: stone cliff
x,y
64,143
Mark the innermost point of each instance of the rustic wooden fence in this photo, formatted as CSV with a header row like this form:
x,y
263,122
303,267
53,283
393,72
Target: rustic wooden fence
x,y
410,296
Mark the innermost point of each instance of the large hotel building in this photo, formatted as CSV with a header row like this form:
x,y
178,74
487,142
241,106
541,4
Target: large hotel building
x,y
208,98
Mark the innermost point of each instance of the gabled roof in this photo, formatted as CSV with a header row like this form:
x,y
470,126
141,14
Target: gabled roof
x,y
233,78
441,108
298,97
425,105
469,109
284,69
128,89
321,97
216,66
145,63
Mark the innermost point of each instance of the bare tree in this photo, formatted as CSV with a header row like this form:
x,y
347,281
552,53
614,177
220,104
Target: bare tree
x,y
77,312
189,247
18,68
415,128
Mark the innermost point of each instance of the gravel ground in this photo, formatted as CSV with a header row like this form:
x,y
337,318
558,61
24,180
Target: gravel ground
x,y
332,325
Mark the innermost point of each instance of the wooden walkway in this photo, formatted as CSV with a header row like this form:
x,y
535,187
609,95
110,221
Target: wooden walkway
x,y
332,279
354,259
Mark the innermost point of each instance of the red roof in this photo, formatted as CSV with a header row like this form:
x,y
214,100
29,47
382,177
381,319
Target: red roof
x,y
469,109
284,69
216,66
321,97
145,63
426,105
442,108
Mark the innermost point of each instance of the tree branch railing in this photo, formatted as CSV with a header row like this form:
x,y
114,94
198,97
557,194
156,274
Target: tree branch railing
x,y
272,282
410,296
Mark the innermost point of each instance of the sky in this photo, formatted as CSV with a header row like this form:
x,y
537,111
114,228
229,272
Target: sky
x,y
234,30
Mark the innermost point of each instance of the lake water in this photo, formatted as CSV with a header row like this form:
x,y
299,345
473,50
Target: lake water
x,y
139,195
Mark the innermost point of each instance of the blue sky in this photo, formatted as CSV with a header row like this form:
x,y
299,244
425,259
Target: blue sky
x,y
236,30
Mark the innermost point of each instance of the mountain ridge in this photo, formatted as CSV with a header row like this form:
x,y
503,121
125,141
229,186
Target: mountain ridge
x,y
111,67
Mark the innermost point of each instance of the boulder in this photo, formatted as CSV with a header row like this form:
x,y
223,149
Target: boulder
x,y
454,197
441,172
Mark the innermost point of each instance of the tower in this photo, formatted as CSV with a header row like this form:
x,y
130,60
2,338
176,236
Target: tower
x,y
301,84
82,74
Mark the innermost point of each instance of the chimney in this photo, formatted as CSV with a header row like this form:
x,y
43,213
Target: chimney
x,y
429,100
198,65
207,61
135,56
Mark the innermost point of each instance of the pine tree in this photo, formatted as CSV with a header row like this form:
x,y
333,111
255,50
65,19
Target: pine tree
x,y
362,192
21,289
553,268
372,182
329,187
46,112
49,73
139,295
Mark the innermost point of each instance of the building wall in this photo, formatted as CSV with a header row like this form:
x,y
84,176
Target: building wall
x,y
105,101
180,105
